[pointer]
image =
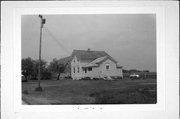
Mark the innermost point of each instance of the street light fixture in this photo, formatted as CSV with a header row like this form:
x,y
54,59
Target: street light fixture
x,y
39,88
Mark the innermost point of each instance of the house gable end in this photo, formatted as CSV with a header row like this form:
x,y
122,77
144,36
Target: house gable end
x,y
110,58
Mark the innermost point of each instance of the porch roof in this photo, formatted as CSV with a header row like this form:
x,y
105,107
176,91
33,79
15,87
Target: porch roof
x,y
95,62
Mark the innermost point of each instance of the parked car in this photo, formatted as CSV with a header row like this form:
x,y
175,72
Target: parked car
x,y
23,78
134,76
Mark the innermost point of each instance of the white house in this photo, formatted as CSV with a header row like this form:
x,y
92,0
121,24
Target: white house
x,y
93,64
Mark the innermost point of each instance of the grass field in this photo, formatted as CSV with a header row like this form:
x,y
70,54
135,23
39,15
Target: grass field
x,y
90,92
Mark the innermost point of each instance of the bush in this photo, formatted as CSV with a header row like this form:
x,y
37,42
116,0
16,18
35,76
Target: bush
x,y
86,78
46,75
116,77
97,79
34,78
68,77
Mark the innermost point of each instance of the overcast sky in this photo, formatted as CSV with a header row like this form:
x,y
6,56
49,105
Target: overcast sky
x,y
128,38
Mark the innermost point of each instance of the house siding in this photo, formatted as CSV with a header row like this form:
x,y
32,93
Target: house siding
x,y
75,64
94,73
113,70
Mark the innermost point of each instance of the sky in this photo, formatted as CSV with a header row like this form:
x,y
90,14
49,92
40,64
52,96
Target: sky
x,y
129,38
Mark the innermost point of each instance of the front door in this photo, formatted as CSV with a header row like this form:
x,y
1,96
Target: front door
x,y
85,70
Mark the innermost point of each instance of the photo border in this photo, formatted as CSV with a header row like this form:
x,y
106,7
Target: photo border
x,y
92,8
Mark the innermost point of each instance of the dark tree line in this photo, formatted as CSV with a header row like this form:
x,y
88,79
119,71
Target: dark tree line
x,y
30,68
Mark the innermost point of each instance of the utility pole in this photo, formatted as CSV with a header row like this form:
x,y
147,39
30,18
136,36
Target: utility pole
x,y
39,88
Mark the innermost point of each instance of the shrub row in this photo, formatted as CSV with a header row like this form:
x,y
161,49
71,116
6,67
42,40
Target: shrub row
x,y
88,78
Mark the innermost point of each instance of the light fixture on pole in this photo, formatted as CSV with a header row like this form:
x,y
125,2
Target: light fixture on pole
x,y
39,88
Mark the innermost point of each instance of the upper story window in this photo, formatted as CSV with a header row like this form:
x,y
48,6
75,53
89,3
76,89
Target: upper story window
x,y
74,60
74,70
78,69
107,66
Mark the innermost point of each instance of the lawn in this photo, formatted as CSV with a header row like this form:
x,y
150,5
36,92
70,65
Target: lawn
x,y
123,91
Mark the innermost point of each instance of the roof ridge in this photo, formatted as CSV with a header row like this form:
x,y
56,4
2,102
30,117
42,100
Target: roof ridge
x,y
90,50
85,55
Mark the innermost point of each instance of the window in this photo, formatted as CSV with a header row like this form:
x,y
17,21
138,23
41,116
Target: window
x,y
74,70
107,66
90,69
78,69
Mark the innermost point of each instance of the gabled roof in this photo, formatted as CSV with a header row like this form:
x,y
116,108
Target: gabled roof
x,y
98,60
92,58
88,55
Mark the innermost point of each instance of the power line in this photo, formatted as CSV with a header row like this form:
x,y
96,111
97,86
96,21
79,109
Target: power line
x,y
59,44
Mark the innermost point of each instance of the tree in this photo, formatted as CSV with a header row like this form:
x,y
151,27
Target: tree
x,y
27,67
36,66
30,68
56,67
46,74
